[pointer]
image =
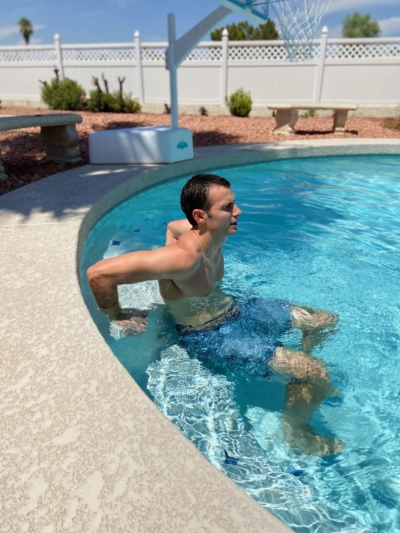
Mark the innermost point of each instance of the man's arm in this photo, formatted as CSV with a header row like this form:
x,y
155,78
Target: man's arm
x,y
169,262
175,229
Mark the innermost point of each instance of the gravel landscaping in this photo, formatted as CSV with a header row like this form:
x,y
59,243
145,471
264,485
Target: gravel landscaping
x,y
22,150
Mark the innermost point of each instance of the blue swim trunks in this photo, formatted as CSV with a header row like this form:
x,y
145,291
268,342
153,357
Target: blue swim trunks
x,y
245,340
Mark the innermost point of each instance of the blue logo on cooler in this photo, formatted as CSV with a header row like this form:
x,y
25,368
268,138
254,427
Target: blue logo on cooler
x,y
182,145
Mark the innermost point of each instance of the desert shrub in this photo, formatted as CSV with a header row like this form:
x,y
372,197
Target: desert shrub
x,y
393,123
131,105
100,101
309,113
66,94
240,103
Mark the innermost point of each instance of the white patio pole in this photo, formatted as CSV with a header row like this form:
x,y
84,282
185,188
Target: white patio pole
x,y
224,68
139,69
59,60
319,78
172,70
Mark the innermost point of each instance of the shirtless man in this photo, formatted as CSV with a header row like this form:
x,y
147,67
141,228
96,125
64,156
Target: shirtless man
x,y
188,270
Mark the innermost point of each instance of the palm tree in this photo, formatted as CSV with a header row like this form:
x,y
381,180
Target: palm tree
x,y
25,28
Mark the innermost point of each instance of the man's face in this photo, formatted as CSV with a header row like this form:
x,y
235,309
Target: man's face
x,y
223,214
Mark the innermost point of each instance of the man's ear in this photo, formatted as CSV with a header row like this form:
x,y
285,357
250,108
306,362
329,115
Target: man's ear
x,y
198,215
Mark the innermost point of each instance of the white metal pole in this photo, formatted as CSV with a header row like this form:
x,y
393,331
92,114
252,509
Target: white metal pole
x,y
224,68
139,69
172,71
60,66
319,78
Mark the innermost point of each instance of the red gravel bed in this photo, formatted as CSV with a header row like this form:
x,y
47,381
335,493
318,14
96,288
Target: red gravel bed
x,y
23,149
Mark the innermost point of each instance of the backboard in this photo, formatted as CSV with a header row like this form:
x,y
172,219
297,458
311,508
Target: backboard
x,y
256,9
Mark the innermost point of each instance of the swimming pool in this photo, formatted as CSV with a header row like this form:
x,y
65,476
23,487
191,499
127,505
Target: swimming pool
x,y
319,232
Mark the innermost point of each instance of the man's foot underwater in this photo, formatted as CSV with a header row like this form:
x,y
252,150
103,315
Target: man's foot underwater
x,y
311,443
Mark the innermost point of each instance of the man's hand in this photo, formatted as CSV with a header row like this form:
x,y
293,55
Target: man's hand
x,y
175,229
132,321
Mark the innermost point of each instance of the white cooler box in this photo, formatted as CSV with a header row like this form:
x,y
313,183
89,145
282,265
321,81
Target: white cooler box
x,y
153,144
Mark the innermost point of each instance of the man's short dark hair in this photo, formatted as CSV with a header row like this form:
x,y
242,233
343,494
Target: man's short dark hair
x,y
195,193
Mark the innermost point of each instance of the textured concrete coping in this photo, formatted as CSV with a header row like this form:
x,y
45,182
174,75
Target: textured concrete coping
x,y
311,105
29,121
82,448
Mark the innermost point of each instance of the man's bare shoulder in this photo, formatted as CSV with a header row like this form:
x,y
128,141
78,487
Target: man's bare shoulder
x,y
185,251
189,242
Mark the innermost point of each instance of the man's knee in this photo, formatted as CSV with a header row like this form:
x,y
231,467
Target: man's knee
x,y
307,318
297,364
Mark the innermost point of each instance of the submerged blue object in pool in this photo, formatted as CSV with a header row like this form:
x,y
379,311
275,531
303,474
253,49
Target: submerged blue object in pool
x,y
318,232
230,460
295,471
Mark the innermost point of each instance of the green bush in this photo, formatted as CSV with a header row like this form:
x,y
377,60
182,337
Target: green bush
x,y
131,105
66,95
112,103
240,103
309,113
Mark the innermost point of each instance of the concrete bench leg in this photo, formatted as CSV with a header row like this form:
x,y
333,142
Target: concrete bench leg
x,y
3,175
60,142
285,120
339,121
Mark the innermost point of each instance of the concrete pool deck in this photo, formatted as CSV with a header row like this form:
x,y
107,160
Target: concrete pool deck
x,y
82,447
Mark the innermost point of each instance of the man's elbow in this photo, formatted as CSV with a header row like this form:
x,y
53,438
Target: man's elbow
x,y
96,277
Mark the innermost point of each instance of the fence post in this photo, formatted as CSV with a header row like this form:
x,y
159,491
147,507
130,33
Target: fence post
x,y
59,58
224,68
319,78
139,69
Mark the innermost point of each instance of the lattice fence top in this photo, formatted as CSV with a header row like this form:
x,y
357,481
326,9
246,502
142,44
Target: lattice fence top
x,y
206,51
362,50
314,51
257,53
18,56
99,54
152,53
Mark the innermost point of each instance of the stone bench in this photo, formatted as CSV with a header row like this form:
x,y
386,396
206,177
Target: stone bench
x,y
57,131
287,115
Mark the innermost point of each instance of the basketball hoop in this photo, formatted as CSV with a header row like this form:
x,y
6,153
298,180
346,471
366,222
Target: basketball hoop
x,y
298,21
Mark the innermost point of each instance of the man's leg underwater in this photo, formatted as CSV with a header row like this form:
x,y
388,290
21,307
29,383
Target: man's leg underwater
x,y
309,387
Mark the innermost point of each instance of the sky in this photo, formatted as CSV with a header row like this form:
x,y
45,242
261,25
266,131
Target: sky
x,y
115,21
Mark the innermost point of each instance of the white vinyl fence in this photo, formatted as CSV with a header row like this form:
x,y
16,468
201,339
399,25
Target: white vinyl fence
x,y
363,71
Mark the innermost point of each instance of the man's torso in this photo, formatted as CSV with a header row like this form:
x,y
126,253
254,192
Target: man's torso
x,y
198,298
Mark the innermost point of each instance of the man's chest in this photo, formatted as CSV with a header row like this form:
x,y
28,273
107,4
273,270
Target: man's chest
x,y
202,282
211,271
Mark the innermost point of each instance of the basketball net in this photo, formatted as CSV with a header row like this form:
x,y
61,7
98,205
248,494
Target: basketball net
x,y
298,21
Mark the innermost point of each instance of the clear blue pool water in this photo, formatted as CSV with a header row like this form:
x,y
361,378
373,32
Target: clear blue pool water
x,y
321,232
